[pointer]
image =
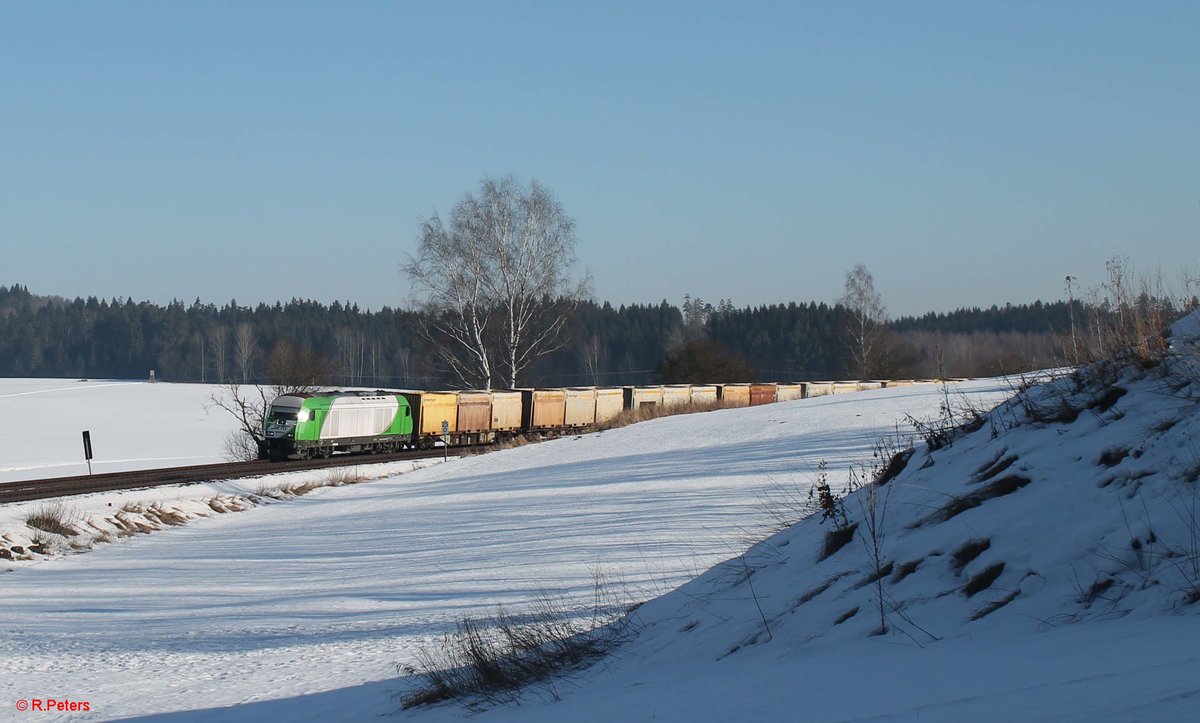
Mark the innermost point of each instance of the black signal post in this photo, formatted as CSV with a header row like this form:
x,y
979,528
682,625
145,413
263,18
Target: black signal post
x,y
87,449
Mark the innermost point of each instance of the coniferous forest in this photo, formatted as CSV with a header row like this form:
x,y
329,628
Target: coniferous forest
x,y
602,344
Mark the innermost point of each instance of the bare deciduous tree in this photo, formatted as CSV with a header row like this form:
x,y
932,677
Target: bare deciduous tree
x,y
867,319
497,280
244,349
590,353
292,371
217,340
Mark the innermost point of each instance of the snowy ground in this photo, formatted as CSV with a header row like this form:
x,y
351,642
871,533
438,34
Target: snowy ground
x,y
134,425
1042,567
336,588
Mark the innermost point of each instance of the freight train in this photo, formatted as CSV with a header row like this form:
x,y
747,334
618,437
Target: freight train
x,y
319,424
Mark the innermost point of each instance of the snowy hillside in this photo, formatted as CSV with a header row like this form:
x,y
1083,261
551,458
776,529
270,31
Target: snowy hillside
x,y
1044,565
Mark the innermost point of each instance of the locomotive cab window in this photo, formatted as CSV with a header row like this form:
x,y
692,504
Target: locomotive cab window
x,y
283,416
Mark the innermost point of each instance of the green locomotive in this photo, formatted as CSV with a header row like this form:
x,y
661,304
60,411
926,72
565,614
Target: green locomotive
x,y
302,426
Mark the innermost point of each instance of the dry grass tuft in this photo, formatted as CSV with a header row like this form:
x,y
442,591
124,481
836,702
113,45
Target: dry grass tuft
x,y
165,516
55,518
43,544
489,661
343,476
646,413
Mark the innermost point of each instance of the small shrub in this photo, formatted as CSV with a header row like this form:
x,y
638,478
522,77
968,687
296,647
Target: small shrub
x,y
271,491
995,605
905,570
998,488
1112,457
968,552
895,466
814,592
343,476
1165,425
55,518
990,470
983,580
875,576
836,539
821,497
43,544
165,516
302,488
490,661
1097,589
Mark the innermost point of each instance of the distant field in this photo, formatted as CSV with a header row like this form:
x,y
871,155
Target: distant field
x,y
134,425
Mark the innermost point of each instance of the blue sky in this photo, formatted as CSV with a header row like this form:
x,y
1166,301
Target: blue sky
x,y
968,153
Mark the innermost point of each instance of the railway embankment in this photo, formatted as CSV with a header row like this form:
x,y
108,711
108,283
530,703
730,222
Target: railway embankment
x,y
52,526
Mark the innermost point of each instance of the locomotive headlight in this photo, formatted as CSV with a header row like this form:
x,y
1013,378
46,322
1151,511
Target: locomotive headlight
x,y
302,416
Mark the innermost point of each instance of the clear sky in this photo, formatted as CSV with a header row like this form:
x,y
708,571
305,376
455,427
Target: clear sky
x,y
969,153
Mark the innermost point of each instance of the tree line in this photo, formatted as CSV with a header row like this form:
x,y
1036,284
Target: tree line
x,y
496,301
603,344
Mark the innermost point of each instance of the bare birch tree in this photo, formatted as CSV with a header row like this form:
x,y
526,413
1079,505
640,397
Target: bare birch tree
x,y
867,318
217,340
496,280
244,348
590,353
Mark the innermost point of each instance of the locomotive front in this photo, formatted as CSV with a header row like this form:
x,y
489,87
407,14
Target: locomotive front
x,y
284,417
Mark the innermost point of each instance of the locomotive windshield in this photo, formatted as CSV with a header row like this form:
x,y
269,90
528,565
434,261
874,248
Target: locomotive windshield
x,y
283,415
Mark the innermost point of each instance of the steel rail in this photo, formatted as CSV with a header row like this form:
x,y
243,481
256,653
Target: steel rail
x,y
40,489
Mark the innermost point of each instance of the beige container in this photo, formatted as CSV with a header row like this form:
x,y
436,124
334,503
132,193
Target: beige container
x,y
676,395
506,411
789,392
438,407
543,408
647,397
845,387
474,412
704,394
898,383
580,406
817,389
610,402
735,395
867,386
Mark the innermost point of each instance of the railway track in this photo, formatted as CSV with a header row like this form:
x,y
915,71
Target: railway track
x,y
41,489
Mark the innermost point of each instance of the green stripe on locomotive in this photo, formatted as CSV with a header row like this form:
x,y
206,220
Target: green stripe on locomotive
x,y
315,411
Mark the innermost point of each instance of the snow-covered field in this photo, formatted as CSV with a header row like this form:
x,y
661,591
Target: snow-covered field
x,y
1040,568
134,425
336,588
